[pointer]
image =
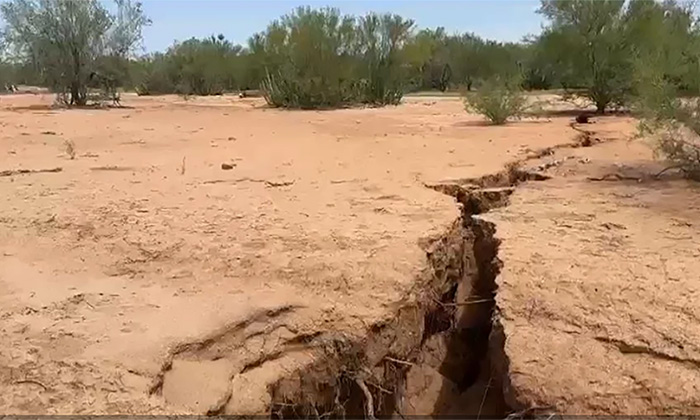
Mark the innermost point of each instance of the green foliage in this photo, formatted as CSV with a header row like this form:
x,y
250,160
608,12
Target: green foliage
x,y
665,41
321,59
439,61
587,41
381,72
65,39
209,66
204,67
150,75
307,59
599,46
428,56
673,122
498,99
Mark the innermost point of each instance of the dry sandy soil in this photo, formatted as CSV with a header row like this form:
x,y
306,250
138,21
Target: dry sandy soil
x,y
386,260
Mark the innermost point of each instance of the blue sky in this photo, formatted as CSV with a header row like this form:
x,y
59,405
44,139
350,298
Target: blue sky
x,y
503,20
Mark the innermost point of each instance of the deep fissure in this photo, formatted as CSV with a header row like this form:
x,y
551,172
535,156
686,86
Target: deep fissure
x,y
455,311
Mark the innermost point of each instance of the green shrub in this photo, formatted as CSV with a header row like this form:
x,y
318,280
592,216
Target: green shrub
x,y
381,72
673,122
307,59
320,59
498,99
150,76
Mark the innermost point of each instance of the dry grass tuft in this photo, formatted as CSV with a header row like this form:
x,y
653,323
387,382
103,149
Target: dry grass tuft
x,y
70,148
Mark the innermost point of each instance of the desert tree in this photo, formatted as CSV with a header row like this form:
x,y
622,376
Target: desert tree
x,y
382,70
587,40
663,38
665,68
466,54
429,57
66,39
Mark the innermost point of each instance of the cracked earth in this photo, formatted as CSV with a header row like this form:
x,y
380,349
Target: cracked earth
x,y
217,257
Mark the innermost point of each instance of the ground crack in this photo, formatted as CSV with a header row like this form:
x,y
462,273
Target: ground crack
x,y
628,348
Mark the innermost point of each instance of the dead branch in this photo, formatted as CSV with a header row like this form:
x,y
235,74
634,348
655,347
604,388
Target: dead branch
x,y
11,172
111,168
31,381
369,401
614,177
661,172
278,184
270,184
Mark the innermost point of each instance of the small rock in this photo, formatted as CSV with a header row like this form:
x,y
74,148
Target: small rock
x,y
227,166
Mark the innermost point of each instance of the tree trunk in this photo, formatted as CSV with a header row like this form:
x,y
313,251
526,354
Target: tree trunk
x,y
78,95
600,107
78,90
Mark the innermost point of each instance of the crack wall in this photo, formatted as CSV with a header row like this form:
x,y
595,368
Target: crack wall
x,y
434,357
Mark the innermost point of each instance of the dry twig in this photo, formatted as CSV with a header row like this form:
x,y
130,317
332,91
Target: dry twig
x,y
31,381
11,172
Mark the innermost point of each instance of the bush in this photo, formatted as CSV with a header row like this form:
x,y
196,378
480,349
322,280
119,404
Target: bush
x,y
673,122
381,73
149,76
680,152
209,66
498,99
320,59
307,59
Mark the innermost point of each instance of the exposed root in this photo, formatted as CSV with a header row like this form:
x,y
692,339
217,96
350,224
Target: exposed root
x,y
369,401
401,362
532,413
369,377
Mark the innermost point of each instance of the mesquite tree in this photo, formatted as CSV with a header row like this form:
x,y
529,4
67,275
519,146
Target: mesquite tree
x,y
65,39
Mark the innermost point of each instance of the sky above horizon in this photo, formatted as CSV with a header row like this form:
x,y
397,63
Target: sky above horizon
x,y
178,20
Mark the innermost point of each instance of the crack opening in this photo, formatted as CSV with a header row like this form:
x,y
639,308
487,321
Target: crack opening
x,y
451,366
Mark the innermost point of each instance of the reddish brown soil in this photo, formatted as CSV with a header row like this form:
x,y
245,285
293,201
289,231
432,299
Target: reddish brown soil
x,y
144,278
